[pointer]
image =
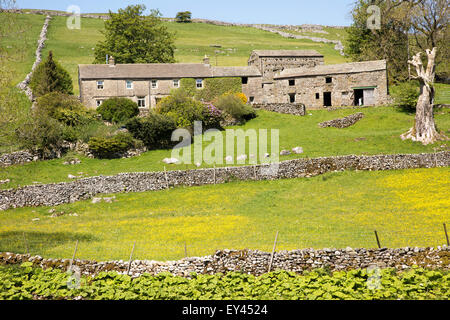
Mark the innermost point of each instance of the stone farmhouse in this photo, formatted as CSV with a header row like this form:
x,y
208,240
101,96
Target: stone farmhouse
x,y
272,76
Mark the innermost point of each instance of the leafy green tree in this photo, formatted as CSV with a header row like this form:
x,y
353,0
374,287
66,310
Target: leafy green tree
x,y
390,42
184,17
131,37
49,77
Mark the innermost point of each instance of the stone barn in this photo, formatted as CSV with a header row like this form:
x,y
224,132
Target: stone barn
x,y
272,76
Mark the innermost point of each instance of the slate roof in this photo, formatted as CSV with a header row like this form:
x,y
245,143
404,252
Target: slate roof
x,y
354,67
162,71
287,53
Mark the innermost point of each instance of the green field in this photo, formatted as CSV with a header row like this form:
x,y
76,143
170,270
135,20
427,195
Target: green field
x,y
378,133
336,210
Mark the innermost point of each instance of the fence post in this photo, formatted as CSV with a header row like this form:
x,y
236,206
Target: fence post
x,y
26,243
378,240
131,257
273,252
167,179
73,257
446,234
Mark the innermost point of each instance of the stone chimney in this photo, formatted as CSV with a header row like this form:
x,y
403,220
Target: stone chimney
x,y
111,61
206,61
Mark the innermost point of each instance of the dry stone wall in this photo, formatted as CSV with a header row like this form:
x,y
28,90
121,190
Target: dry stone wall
x,y
24,85
343,122
61,193
19,157
285,108
257,262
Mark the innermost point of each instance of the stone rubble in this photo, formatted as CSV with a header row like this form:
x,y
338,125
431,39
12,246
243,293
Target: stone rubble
x,y
343,122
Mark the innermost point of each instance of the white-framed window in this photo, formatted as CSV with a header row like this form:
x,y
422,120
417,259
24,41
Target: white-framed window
x,y
100,84
141,102
176,83
154,84
199,83
99,103
129,84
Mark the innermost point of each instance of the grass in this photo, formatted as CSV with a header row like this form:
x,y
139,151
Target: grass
x,y
21,47
335,210
442,93
378,133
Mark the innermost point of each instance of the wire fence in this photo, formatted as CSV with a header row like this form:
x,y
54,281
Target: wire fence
x,y
57,246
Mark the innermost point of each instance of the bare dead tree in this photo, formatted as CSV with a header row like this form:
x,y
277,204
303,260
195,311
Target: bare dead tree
x,y
424,129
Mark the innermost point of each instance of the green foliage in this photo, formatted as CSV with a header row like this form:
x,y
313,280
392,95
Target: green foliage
x,y
416,284
234,106
65,108
155,130
213,87
49,77
41,133
112,146
131,37
118,110
406,95
184,17
182,108
389,42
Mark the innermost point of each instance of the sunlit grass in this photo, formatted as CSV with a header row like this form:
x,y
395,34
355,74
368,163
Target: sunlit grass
x,y
331,211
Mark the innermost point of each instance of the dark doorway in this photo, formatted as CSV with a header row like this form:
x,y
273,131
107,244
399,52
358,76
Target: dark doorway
x,y
327,99
359,97
292,97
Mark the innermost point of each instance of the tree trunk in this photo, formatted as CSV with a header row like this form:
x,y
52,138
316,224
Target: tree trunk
x,y
424,129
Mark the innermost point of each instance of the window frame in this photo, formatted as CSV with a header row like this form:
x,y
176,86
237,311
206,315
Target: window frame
x,y
328,79
142,99
197,81
100,83
129,82
291,82
177,81
99,102
292,96
154,86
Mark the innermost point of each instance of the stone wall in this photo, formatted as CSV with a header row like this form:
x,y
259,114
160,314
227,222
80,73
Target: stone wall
x,y
285,108
256,262
24,85
343,122
61,193
20,157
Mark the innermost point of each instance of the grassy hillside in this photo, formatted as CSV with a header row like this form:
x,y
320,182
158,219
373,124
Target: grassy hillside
x,y
336,210
378,133
21,47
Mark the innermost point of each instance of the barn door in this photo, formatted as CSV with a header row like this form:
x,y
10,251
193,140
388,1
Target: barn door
x,y
369,97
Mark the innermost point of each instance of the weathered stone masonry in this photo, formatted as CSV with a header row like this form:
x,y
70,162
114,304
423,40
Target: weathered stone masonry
x,y
256,262
61,193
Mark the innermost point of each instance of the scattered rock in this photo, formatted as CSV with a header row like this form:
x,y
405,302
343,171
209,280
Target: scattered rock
x,y
70,176
170,160
229,159
36,219
96,200
242,157
298,150
5,181
285,153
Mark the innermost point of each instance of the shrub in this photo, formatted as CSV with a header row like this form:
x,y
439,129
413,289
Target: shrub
x,y
118,110
155,130
212,117
41,133
113,146
182,108
49,77
64,108
406,95
234,106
